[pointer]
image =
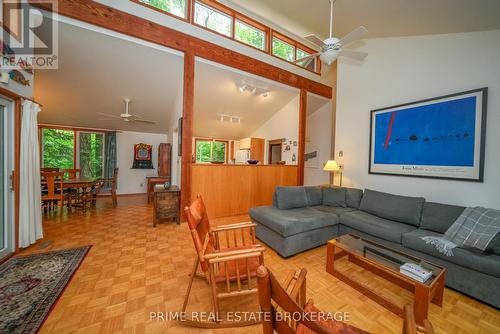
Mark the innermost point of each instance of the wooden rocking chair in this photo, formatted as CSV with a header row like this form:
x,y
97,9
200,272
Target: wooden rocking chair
x,y
228,259
291,299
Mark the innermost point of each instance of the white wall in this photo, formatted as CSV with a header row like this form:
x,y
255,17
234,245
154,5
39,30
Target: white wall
x,y
407,69
318,135
283,124
133,181
173,134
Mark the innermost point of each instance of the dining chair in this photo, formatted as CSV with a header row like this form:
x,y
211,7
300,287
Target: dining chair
x,y
227,256
106,188
46,169
72,173
53,190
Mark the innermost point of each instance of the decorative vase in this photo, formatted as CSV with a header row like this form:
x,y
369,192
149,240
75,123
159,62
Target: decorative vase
x,y
166,185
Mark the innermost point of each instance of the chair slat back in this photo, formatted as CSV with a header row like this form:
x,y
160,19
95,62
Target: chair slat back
x,y
199,225
54,185
71,173
46,169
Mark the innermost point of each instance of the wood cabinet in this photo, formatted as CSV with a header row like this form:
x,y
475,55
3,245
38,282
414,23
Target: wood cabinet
x,y
164,160
257,149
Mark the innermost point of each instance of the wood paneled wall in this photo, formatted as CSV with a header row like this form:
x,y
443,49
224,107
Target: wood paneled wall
x,y
229,190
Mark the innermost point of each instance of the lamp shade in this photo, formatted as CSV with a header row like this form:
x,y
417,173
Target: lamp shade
x,y
332,166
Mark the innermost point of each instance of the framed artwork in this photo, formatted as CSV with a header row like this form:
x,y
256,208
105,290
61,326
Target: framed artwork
x,y
311,159
442,137
142,156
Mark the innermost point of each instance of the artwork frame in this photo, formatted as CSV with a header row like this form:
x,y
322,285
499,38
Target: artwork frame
x,y
458,154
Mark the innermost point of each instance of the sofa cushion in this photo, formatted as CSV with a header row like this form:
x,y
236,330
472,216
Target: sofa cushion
x,y
402,209
291,197
334,210
439,217
486,263
353,197
292,221
334,197
382,228
314,195
494,246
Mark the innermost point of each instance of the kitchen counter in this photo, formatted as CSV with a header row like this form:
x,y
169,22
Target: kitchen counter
x,y
229,190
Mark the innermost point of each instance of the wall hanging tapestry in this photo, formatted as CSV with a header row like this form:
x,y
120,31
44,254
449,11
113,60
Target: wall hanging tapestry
x,y
442,137
31,285
143,157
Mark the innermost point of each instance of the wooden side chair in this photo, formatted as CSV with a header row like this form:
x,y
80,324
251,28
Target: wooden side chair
x,y
71,173
47,169
291,299
53,191
106,188
228,258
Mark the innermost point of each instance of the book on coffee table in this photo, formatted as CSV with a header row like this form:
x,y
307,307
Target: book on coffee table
x,y
415,271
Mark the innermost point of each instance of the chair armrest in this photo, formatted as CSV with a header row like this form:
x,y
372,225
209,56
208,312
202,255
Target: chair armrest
x,y
233,227
409,325
235,254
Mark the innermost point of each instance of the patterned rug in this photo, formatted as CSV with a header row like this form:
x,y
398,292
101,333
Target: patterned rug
x,y
30,285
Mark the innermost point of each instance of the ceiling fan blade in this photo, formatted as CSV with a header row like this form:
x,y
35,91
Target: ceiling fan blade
x,y
307,58
108,115
353,35
315,40
108,119
144,121
354,54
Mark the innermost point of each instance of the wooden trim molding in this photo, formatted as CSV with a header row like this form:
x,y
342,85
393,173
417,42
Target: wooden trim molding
x,y
302,135
187,130
109,18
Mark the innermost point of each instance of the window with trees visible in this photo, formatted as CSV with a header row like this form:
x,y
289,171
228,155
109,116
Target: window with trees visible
x,y
174,7
283,50
213,19
249,35
91,154
210,151
58,150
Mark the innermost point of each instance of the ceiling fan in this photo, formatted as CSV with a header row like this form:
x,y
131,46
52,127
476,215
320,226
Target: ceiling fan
x,y
126,117
331,47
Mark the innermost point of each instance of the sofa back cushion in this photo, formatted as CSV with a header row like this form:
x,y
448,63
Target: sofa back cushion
x,y
494,246
314,196
335,197
353,197
402,209
439,217
291,197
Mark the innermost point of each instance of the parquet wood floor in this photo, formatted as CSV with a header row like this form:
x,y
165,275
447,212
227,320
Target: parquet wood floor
x,y
133,269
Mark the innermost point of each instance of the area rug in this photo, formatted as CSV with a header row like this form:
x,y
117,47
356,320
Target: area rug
x,y
30,285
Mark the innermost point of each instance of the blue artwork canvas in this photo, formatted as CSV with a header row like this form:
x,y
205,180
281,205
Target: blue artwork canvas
x,y
440,134
440,137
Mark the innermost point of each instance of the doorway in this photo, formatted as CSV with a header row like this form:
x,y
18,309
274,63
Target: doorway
x,y
7,166
275,148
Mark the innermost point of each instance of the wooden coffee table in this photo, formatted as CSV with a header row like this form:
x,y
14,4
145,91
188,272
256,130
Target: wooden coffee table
x,y
385,262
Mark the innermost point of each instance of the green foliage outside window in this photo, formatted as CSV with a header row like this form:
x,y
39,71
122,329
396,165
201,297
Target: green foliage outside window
x,y
58,148
176,7
250,35
212,19
91,154
208,151
302,54
283,50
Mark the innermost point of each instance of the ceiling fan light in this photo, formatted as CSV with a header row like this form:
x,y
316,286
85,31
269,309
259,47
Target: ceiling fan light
x,y
329,56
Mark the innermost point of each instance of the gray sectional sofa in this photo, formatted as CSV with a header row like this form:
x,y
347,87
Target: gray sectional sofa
x,y
302,218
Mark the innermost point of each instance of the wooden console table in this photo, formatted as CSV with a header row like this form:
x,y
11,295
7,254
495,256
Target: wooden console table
x,y
152,181
384,262
166,204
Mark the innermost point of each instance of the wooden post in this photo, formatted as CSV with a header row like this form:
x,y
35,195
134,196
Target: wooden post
x,y
302,135
187,130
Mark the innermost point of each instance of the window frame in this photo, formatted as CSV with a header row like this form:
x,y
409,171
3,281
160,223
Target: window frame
x,y
211,140
187,13
235,15
76,142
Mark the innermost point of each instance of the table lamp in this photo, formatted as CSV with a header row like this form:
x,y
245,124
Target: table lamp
x,y
333,167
